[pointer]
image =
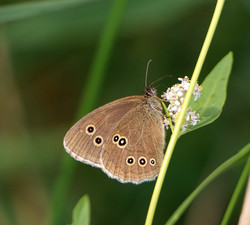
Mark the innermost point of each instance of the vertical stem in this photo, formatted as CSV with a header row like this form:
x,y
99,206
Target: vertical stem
x,y
89,97
175,135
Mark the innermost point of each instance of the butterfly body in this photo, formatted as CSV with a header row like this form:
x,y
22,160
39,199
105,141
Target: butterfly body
x,y
125,138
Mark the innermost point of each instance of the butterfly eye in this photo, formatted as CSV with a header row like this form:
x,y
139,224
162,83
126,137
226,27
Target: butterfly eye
x,y
90,129
122,142
98,141
152,162
116,138
130,160
142,161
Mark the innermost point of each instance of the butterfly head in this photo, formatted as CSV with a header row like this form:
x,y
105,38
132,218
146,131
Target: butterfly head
x,y
150,91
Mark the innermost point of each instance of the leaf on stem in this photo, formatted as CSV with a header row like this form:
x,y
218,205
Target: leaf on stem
x,y
81,212
213,95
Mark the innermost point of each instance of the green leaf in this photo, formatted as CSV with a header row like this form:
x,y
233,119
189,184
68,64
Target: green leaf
x,y
81,212
213,94
242,154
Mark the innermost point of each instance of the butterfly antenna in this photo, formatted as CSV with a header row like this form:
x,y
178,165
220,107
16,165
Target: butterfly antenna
x,y
161,78
146,77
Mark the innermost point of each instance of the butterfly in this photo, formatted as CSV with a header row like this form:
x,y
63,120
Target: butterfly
x,y
125,138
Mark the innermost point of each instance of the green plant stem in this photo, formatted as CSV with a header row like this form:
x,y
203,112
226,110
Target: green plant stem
x,y
175,134
89,97
237,192
243,153
168,116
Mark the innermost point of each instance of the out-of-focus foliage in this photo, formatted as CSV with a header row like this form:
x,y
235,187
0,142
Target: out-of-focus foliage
x,y
44,60
81,212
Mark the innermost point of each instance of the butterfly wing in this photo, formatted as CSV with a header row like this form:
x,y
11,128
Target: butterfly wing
x,y
133,151
85,140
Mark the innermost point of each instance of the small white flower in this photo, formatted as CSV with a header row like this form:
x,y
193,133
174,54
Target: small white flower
x,y
173,108
197,92
175,88
185,82
194,118
179,93
181,100
177,103
184,127
166,123
175,97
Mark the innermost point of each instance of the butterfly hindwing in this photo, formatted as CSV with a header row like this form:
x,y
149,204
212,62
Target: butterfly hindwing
x,y
133,151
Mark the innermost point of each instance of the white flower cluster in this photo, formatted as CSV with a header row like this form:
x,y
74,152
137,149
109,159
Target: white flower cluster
x,y
175,96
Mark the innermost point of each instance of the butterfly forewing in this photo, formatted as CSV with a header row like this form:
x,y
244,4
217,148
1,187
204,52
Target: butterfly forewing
x,y
85,140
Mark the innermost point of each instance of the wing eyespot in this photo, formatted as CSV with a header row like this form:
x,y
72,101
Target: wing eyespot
x,y
152,162
122,142
130,160
116,138
98,141
142,161
90,129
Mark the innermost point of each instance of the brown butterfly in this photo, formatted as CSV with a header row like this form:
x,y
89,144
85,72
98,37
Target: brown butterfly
x,y
125,138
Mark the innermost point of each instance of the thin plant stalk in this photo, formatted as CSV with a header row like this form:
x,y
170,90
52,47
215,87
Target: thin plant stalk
x,y
168,116
176,132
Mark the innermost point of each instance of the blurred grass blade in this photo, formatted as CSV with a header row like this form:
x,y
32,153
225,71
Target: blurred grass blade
x,y
213,94
24,10
242,154
81,212
237,192
89,97
96,74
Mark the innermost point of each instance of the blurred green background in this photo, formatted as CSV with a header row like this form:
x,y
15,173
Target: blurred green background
x,y
46,51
